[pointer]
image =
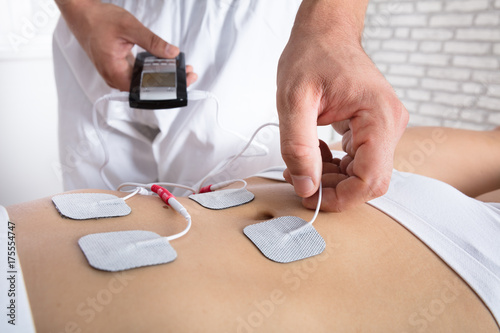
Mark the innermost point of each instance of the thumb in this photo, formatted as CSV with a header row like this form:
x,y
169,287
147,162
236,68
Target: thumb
x,y
149,41
299,143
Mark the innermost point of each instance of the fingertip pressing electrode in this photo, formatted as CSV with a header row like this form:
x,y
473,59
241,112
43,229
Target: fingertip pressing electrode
x,y
287,238
316,212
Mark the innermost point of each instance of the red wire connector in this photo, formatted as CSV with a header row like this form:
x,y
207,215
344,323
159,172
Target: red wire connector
x,y
163,193
170,200
214,187
206,189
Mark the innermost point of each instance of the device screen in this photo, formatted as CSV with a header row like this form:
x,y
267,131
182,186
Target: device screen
x,y
150,80
158,83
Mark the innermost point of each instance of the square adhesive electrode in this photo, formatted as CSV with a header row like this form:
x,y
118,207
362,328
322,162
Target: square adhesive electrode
x,y
223,199
122,250
84,206
279,240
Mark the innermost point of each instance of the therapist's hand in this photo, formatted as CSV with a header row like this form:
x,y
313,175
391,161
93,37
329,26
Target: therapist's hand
x,y
325,77
107,33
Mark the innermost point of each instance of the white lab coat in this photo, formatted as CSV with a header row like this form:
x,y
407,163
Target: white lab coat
x,y
234,47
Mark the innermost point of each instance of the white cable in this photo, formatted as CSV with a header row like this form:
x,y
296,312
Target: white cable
x,y
148,186
193,95
234,158
120,97
316,212
176,185
176,205
120,188
200,95
217,186
170,200
217,118
137,190
182,233
170,238
320,196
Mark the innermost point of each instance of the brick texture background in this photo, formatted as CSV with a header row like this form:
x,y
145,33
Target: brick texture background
x,y
441,56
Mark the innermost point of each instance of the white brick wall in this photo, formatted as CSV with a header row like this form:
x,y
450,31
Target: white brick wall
x,y
441,56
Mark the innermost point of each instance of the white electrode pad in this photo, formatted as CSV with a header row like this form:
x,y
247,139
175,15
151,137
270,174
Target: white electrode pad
x,y
286,239
82,206
122,250
223,199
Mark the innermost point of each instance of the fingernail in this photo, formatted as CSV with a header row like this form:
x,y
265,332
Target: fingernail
x,y
170,50
167,50
302,184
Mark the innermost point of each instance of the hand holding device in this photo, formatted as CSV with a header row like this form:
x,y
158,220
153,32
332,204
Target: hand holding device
x,y
107,34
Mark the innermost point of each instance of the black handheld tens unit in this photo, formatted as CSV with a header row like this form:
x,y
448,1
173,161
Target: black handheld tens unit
x,y
158,83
